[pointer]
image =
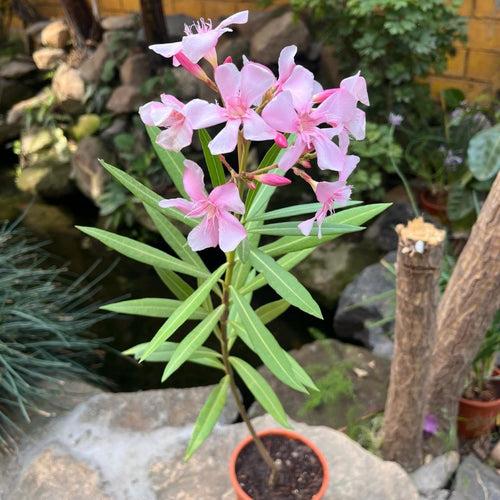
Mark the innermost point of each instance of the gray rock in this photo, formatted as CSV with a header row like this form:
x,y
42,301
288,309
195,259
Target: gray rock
x,y
382,230
356,323
329,66
68,87
435,475
234,47
91,68
17,69
125,22
257,19
186,85
48,57
125,99
12,92
331,360
17,111
495,454
267,42
436,495
118,125
475,480
175,25
87,172
55,34
8,132
332,266
36,28
135,70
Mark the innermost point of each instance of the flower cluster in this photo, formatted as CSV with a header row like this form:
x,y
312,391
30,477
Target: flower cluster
x,y
255,105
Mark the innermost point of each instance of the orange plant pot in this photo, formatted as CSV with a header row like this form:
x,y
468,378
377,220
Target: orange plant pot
x,y
476,418
240,493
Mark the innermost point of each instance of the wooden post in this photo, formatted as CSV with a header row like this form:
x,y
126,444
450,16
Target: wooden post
x,y
465,313
153,21
420,251
82,24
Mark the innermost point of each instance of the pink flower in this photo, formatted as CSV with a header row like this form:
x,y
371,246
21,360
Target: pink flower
x,y
273,179
431,424
178,118
286,65
292,111
327,193
200,39
240,90
356,86
218,226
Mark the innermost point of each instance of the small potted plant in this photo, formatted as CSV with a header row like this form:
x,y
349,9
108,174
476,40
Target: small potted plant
x,y
302,119
479,405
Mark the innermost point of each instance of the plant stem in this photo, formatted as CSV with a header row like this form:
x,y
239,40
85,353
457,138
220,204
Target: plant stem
x,y
229,371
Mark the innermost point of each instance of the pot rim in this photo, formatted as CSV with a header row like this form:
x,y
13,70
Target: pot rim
x,y
480,404
280,432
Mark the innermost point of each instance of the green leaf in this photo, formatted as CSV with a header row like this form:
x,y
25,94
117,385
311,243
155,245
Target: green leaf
x,y
181,314
175,283
307,208
144,194
261,390
152,307
483,153
192,341
300,373
272,310
284,283
291,229
354,216
172,161
460,202
214,164
262,341
142,252
208,416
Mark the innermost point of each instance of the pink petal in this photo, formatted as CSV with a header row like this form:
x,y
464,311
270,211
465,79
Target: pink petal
x,y
180,204
351,161
228,78
255,80
172,101
330,156
291,155
280,113
227,197
193,180
167,49
199,45
176,137
205,235
225,141
306,226
255,128
340,107
356,85
286,63
300,84
231,232
343,141
154,113
202,114
238,18
326,190
357,125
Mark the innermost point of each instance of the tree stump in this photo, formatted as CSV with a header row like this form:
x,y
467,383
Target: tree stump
x,y
420,251
465,313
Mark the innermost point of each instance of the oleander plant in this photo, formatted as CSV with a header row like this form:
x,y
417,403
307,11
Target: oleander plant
x,y
305,125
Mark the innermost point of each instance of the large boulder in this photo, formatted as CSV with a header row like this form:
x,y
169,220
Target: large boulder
x,y
48,57
17,111
332,266
433,477
234,47
125,99
267,42
135,70
353,383
56,34
68,87
475,480
366,307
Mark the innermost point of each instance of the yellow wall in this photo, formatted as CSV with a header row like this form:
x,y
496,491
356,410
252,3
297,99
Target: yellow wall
x,y
475,68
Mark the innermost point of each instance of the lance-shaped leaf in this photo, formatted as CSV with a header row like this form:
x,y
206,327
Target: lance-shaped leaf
x,y
201,356
300,373
261,390
272,310
353,216
152,307
144,194
142,252
172,161
307,208
175,283
182,313
192,341
208,416
214,165
291,228
263,342
284,283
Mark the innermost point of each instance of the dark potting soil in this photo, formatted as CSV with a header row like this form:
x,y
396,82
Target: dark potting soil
x,y
300,473
489,392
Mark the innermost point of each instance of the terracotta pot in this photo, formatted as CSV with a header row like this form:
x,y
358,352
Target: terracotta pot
x,y
434,204
240,493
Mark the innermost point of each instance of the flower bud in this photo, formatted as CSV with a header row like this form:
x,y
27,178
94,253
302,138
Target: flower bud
x,y
195,69
280,140
305,163
251,185
323,95
273,179
228,59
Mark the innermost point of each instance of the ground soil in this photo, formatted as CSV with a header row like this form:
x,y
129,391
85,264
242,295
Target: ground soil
x,y
300,473
489,392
